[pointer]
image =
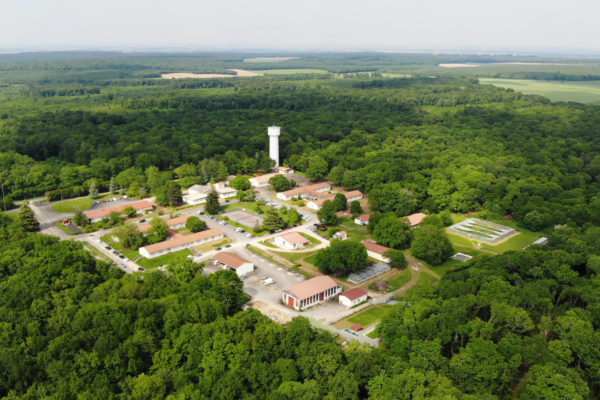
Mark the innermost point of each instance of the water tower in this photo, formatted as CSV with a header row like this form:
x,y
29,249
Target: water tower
x,y
274,132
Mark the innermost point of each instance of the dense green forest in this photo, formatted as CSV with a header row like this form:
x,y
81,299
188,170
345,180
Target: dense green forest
x,y
519,325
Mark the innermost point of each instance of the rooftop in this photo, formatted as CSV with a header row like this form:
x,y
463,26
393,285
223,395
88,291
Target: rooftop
x,y
295,238
311,287
312,189
263,178
138,205
353,193
230,259
169,244
170,222
205,189
195,196
416,219
365,217
375,248
354,294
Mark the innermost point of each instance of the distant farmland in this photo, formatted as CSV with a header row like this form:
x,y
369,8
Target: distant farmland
x,y
292,71
579,91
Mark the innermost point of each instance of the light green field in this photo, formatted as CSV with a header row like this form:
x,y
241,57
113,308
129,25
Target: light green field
x,y
366,318
84,203
392,75
582,92
292,71
177,256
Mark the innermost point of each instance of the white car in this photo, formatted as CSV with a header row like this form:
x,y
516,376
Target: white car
x,y
269,281
98,241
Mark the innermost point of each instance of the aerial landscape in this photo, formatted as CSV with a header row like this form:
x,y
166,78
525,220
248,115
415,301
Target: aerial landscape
x,y
356,213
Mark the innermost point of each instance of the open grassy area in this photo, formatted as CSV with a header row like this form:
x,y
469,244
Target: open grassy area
x,y
515,243
291,71
579,91
167,259
427,279
355,232
63,228
366,318
399,279
83,204
131,254
311,259
294,257
311,239
210,246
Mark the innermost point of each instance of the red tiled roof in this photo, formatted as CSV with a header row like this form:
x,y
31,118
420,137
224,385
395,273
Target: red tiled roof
x,y
169,244
230,259
311,287
354,294
295,238
416,219
365,217
375,248
353,193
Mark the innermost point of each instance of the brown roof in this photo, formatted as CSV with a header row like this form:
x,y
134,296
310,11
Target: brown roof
x,y
375,248
322,201
354,294
353,193
138,205
341,233
415,219
263,178
312,189
170,222
295,238
169,244
230,259
356,327
311,287
365,217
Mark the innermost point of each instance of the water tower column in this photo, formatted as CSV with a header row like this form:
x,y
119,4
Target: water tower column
x,y
274,132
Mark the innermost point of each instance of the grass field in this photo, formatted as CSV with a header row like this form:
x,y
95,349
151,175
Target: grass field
x,y
355,232
170,258
427,279
516,243
292,71
399,279
293,257
83,204
582,92
131,254
366,318
63,228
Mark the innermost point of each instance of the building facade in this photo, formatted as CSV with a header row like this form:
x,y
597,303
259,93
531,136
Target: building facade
x,y
352,297
168,246
311,292
233,261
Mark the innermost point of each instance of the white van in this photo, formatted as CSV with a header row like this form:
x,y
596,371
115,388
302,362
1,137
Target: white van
x,y
269,281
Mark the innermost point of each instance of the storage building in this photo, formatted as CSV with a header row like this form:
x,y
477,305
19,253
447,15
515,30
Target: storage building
x,y
311,292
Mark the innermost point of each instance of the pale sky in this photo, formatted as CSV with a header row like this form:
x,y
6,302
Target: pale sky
x,y
305,24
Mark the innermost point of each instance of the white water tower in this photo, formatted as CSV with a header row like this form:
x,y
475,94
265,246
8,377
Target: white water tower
x,y
274,132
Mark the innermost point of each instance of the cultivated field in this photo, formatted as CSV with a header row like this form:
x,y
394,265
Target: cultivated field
x,y
291,71
579,91
240,73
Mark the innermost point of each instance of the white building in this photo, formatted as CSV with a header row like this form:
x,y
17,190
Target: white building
x,y
261,181
274,132
341,235
292,240
362,220
376,251
233,261
226,192
313,192
195,198
353,297
197,189
284,170
162,248
311,292
354,195
350,196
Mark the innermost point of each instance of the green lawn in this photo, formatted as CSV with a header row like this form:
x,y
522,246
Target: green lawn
x,y
369,316
292,71
399,279
427,279
516,243
268,244
170,258
580,91
293,257
83,204
311,239
355,232
63,228
311,259
131,254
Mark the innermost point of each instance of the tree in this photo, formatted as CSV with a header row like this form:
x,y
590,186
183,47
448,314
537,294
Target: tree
x,y
279,183
317,168
158,231
446,218
212,203
434,220
94,194
143,192
250,195
340,202
27,217
161,196
397,258
240,183
134,190
293,217
272,221
129,211
129,236
114,218
336,175
343,256
327,213
355,207
431,244
174,196
392,197
195,224
112,187
393,232
80,219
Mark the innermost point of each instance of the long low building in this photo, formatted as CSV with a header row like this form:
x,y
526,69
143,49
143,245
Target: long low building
x,y
168,246
230,260
261,181
311,292
311,192
292,240
350,196
139,206
195,198
173,223
376,251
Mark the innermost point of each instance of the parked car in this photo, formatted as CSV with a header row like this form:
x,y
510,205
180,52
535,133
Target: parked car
x,y
122,257
295,226
190,256
326,237
127,259
141,269
124,197
198,255
104,201
108,247
257,192
122,265
227,246
269,281
278,230
115,252
142,220
219,248
200,212
244,276
98,241
250,235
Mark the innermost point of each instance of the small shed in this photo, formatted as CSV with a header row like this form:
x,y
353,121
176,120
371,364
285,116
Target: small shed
x,y
356,327
352,297
341,235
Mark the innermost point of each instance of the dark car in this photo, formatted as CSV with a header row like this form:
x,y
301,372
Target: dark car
x,y
115,252
295,226
141,269
142,220
122,256
219,248
227,246
108,248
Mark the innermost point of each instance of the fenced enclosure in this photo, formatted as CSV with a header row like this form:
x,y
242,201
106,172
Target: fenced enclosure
x,y
368,273
481,230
